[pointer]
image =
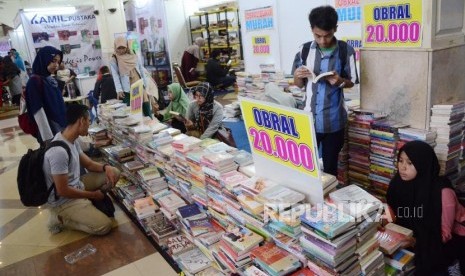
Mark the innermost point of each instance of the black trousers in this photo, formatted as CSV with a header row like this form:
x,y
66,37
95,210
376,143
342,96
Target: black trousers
x,y
331,144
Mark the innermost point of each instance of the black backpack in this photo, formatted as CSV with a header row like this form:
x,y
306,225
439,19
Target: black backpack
x,y
301,58
32,185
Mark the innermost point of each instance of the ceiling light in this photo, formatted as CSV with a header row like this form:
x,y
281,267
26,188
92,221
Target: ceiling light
x,y
59,10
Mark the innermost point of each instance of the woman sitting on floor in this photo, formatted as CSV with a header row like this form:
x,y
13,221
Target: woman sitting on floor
x,y
179,104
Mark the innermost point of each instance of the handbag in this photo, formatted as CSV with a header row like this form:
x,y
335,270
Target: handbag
x,y
224,134
25,123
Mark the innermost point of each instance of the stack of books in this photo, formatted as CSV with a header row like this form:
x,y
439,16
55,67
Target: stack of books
x,y
99,136
364,207
383,152
161,229
178,244
232,110
169,203
141,133
392,237
359,147
133,166
160,139
235,247
145,207
151,180
408,134
274,260
243,158
329,241
250,85
194,222
329,183
120,153
193,261
447,121
186,144
399,263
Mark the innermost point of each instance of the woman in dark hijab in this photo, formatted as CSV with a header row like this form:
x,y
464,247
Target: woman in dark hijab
x,y
414,196
44,101
204,115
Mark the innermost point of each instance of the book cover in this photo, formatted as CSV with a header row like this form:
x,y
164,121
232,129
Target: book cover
x,y
242,239
328,221
189,210
194,260
179,244
277,259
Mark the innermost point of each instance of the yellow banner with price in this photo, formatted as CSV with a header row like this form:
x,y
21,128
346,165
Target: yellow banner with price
x,y
136,96
283,144
393,24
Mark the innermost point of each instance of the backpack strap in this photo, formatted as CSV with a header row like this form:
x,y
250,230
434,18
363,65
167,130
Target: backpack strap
x,y
58,143
305,51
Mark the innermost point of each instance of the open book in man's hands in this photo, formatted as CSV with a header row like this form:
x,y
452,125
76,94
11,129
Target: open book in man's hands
x,y
322,75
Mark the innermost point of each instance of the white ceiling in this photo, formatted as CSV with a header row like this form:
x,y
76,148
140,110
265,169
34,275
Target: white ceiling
x,y
9,8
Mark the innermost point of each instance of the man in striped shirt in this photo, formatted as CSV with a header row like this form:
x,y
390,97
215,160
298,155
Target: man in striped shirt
x,y
325,98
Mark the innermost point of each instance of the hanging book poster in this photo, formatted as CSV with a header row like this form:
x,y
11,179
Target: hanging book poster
x,y
76,35
283,144
393,24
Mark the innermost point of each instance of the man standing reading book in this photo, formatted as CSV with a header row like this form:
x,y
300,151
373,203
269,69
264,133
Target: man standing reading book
x,y
324,98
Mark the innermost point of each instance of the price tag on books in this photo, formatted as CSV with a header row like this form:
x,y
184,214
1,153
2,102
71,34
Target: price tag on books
x,y
283,143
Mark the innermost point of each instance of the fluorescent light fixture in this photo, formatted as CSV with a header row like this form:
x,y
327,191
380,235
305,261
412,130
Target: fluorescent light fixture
x,y
59,10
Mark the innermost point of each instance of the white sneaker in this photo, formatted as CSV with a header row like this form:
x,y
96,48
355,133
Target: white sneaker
x,y
54,224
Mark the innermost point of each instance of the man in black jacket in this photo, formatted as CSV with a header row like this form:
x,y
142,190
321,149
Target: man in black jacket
x,y
104,89
218,76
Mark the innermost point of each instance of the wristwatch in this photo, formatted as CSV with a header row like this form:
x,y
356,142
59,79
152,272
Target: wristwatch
x,y
104,165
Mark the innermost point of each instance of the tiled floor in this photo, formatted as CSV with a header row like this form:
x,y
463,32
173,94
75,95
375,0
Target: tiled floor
x,y
27,248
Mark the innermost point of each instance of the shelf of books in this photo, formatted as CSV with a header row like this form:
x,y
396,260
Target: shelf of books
x,y
200,204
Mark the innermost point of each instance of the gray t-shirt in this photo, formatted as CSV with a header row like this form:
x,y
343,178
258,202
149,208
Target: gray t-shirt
x,y
56,162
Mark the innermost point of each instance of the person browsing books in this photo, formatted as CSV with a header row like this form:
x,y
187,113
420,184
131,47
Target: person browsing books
x,y
325,98
44,101
126,70
421,200
104,89
204,115
216,74
70,203
190,59
179,103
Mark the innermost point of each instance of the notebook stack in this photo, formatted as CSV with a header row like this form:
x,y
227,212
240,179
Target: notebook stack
x,y
447,121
